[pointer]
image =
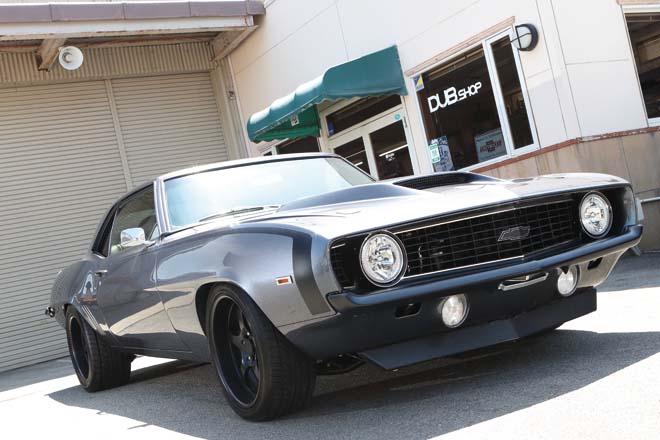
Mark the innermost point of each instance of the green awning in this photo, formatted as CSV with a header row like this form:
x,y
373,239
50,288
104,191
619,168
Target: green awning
x,y
295,114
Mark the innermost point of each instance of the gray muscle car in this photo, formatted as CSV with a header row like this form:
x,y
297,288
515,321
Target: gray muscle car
x,y
278,269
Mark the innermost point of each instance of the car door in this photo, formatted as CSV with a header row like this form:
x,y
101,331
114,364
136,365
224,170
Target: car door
x,y
127,294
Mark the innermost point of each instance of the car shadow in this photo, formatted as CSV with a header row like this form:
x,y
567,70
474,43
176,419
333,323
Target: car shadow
x,y
416,402
632,272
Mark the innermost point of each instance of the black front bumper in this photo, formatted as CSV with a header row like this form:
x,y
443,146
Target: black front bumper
x,y
368,324
479,336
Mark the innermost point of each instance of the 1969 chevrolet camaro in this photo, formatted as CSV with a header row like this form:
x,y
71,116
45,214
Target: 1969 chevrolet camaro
x,y
279,269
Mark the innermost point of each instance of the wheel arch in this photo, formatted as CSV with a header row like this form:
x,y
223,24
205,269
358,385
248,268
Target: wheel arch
x,y
202,295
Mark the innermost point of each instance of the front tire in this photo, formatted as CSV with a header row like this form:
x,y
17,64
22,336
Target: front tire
x,y
263,375
96,364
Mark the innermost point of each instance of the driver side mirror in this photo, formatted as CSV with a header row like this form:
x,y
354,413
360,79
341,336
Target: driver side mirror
x,y
132,237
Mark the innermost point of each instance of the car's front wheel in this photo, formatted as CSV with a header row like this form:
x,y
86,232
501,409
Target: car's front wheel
x,y
97,365
262,374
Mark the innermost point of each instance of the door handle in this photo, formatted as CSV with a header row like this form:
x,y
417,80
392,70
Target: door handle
x,y
101,273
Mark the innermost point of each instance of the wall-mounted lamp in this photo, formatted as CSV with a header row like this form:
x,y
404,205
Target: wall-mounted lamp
x,y
525,37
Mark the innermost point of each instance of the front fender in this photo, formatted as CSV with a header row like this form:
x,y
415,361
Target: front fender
x,y
251,259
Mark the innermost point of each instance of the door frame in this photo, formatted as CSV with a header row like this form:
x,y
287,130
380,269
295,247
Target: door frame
x,y
364,129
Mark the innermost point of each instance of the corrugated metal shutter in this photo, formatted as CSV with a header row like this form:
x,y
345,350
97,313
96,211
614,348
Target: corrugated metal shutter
x,y
168,123
60,169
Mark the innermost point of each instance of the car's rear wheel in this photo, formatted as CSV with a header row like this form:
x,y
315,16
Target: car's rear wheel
x,y
262,374
96,364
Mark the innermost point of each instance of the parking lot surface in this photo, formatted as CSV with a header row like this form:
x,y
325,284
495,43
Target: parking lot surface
x,y
596,377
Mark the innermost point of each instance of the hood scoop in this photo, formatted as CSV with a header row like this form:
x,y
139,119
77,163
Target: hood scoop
x,y
354,194
440,179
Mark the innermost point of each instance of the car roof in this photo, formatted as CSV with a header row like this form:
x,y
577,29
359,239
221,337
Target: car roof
x,y
243,162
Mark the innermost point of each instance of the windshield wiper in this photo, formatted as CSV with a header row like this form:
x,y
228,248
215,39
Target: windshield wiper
x,y
238,211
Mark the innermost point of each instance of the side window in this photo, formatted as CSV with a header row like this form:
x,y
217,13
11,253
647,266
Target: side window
x,y
138,211
102,241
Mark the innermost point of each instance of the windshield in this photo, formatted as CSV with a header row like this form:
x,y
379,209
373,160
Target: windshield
x,y
230,191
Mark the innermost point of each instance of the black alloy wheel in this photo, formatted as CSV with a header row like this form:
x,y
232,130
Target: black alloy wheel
x,y
237,350
263,375
79,350
97,365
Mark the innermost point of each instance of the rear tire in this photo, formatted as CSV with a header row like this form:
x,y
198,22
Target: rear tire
x,y
263,375
97,365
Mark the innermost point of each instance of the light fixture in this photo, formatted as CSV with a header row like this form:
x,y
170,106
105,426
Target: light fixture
x,y
567,281
595,214
525,37
70,57
454,310
382,259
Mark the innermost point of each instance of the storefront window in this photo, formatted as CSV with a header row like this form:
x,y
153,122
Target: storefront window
x,y
360,111
308,144
644,33
514,101
462,117
391,151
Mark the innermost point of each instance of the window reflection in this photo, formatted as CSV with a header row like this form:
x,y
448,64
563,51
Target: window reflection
x,y
355,153
512,93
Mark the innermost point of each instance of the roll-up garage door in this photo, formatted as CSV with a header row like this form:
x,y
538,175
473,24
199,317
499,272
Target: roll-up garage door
x,y
61,168
168,123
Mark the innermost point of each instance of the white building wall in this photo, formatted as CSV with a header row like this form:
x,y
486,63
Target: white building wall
x,y
581,77
600,66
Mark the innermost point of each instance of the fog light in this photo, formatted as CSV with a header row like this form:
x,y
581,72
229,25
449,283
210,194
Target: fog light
x,y
454,310
567,281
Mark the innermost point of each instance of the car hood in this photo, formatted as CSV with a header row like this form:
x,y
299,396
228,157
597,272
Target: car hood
x,y
379,205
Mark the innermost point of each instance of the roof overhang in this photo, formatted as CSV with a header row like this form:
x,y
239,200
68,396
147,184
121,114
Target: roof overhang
x,y
295,115
46,27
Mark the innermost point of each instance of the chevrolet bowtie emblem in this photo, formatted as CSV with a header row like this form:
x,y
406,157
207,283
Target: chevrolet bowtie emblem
x,y
516,233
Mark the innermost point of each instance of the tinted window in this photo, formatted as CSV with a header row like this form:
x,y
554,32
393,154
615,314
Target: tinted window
x,y
514,101
101,244
644,32
459,109
307,144
360,111
138,211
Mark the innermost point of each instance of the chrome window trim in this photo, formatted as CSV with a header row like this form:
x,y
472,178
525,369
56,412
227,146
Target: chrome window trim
x,y
161,207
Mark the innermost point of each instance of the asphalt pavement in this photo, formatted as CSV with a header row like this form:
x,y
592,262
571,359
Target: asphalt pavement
x,y
596,377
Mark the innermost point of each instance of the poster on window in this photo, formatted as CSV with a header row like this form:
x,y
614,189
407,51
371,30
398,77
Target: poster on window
x,y
490,145
440,154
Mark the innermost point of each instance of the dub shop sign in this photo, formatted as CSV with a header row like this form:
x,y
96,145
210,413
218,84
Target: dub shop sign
x,y
452,96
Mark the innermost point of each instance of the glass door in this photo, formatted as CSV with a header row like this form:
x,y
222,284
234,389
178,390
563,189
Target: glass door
x,y
379,147
391,153
354,151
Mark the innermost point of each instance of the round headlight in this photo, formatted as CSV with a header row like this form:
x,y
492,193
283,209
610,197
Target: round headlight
x,y
382,259
595,214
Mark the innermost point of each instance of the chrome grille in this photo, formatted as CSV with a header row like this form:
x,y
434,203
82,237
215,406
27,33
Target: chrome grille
x,y
480,239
